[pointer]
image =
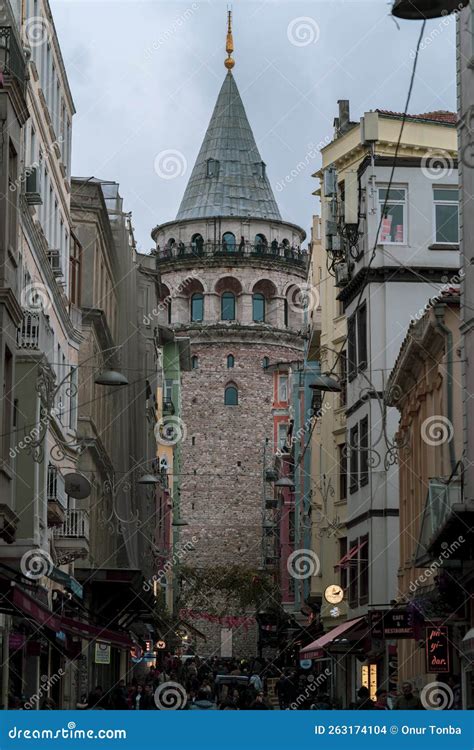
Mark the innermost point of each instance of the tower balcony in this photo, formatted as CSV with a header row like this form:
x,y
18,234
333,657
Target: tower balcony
x,y
234,254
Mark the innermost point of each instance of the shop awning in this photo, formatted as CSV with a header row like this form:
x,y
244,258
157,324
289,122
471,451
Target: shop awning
x,y
69,583
316,648
353,552
43,616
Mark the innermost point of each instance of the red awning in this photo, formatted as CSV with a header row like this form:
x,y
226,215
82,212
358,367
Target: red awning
x,y
345,561
315,649
42,615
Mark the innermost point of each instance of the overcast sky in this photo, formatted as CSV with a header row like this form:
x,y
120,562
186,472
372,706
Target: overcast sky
x,y
145,75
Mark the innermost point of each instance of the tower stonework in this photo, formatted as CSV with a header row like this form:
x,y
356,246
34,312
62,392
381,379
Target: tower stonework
x,y
231,270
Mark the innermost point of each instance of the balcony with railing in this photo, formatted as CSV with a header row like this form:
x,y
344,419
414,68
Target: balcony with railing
x,y
447,520
56,496
71,539
35,333
231,252
13,65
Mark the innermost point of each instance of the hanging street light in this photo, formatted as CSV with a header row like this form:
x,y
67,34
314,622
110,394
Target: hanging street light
x,y
421,10
111,378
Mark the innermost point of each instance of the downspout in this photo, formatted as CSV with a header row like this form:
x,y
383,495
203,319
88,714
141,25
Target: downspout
x,y
443,328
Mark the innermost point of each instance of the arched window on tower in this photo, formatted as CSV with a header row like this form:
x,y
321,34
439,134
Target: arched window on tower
x,y
228,242
169,312
230,361
228,306
258,308
265,362
197,307
194,362
261,243
231,395
197,243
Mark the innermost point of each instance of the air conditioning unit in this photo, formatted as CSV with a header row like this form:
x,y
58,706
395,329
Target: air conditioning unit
x,y
329,182
331,228
336,244
342,274
54,257
32,186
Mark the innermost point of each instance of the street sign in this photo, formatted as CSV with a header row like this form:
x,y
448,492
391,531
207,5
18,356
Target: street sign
x,y
77,485
391,624
437,649
102,653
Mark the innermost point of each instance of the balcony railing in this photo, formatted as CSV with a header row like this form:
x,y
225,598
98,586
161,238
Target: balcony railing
x,y
75,526
282,253
35,333
12,60
56,487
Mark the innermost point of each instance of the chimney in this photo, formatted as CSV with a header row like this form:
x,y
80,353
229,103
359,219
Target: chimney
x,y
343,115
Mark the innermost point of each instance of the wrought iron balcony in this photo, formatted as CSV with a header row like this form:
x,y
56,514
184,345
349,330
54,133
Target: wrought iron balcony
x,y
35,333
12,59
235,253
71,539
56,496
447,519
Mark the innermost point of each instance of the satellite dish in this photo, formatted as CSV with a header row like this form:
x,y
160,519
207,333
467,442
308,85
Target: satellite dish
x,y
77,486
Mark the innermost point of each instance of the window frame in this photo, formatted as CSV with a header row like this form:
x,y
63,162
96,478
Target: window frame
x,y
231,387
342,451
403,203
195,362
197,297
362,348
261,299
354,459
283,378
364,454
228,295
230,361
439,202
351,347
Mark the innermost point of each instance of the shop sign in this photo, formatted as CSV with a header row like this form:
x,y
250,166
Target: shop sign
x,y
102,653
391,624
437,649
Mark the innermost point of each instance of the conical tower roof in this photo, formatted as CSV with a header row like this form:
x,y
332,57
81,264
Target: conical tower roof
x,y
229,177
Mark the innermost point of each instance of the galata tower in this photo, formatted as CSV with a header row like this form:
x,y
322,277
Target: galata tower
x,y
230,269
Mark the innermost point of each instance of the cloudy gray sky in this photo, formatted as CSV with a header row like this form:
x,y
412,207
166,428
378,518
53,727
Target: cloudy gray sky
x,y
145,75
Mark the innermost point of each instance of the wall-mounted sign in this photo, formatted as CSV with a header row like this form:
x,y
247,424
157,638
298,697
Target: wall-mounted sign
x,y
77,485
160,645
391,624
306,663
102,653
334,594
437,649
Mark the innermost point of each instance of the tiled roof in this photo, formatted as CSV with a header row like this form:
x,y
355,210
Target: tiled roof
x,y
441,116
236,183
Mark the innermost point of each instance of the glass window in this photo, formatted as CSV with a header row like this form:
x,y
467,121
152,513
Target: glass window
x,y
228,242
258,308
362,337
282,435
393,205
446,206
351,348
354,459
285,313
342,473
228,306
265,362
283,388
194,362
364,451
230,361
231,396
197,307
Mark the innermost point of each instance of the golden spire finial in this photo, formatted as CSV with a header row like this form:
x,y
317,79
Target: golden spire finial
x,y
229,47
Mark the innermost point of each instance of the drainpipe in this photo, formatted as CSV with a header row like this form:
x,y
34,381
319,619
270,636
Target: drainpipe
x,y
439,312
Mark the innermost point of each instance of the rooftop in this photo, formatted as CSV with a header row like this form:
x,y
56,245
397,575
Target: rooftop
x,y
439,116
229,176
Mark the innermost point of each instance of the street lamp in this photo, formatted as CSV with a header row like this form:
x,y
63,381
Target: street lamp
x,y
326,383
421,10
111,378
285,483
148,479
